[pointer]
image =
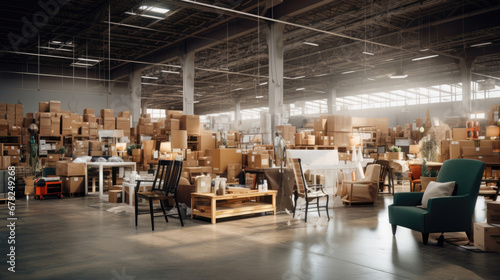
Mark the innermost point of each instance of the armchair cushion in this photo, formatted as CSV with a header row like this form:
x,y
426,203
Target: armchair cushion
x,y
437,189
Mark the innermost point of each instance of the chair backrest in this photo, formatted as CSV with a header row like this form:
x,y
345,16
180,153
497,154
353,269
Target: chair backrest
x,y
384,168
175,176
162,174
299,176
416,171
372,173
466,173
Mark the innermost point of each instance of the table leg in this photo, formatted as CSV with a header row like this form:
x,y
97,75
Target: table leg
x,y
101,182
213,205
86,181
131,191
192,206
274,204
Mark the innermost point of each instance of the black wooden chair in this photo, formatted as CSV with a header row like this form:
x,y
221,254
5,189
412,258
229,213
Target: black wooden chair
x,y
158,192
171,191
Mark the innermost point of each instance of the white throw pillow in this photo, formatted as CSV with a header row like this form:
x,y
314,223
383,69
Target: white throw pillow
x,y
436,189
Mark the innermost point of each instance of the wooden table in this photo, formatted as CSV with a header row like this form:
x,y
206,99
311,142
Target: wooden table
x,y
230,205
101,166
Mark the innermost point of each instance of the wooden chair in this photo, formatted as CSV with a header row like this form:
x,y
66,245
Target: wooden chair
x,y
385,172
164,189
415,173
306,191
362,191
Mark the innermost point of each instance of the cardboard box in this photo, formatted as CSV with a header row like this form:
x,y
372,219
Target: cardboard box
x,y
115,196
486,237
221,158
54,106
70,169
179,139
459,134
88,111
124,114
203,183
320,124
339,123
107,113
13,159
205,161
89,118
53,157
493,213
395,155
190,163
455,150
4,162
122,123
477,151
173,114
310,140
190,123
261,161
96,146
73,184
43,107
340,139
109,123
172,124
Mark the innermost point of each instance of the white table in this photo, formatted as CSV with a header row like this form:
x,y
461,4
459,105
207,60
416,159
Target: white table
x,y
101,166
131,190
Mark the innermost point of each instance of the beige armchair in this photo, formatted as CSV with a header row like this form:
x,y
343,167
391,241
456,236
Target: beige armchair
x,y
362,191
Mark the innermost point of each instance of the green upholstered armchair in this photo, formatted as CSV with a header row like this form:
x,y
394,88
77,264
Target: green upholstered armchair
x,y
443,214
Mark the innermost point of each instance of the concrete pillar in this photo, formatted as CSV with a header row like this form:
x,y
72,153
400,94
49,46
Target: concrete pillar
x,y
276,51
135,89
187,62
331,100
237,113
466,70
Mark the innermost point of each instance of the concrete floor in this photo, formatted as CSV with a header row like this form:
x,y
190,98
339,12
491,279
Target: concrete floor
x,y
75,238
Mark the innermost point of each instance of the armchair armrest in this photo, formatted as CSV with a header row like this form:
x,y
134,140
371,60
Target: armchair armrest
x,y
448,203
139,183
408,199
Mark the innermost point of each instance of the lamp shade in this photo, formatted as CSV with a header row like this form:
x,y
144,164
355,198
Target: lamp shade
x,y
414,149
121,147
492,131
165,147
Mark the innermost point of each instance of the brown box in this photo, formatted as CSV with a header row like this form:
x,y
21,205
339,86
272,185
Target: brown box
x,y
261,161
190,123
339,123
205,161
97,153
310,140
395,155
486,237
107,113
70,169
172,124
54,106
88,111
322,140
89,118
4,162
320,124
493,213
172,114
459,134
115,196
109,123
178,139
124,114
53,157
190,163
477,151
43,107
73,184
455,150
221,158
122,123
340,139
96,145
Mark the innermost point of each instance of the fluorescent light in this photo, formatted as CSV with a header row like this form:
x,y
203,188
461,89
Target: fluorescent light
x,y
481,44
424,50
57,49
299,77
79,64
197,101
300,89
149,77
320,75
154,9
259,96
424,57
89,59
390,59
144,15
368,53
262,84
239,88
370,79
171,72
347,72
56,42
310,44
398,75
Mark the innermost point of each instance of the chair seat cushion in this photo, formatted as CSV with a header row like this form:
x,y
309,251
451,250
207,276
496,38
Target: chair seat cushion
x,y
418,181
407,216
437,189
315,194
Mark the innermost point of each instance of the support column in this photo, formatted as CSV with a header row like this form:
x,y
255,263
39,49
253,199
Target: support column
x,y
187,62
331,100
135,89
276,52
237,113
466,71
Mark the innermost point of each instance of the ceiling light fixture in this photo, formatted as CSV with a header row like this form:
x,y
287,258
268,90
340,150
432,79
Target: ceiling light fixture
x,y
300,89
154,9
56,42
239,89
310,44
89,59
144,15
171,72
79,64
481,44
390,59
263,84
197,101
259,96
299,77
424,50
320,75
58,49
399,75
425,57
149,77
347,72
368,53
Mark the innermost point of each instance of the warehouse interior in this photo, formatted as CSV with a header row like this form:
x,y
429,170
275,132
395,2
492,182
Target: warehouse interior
x,y
258,99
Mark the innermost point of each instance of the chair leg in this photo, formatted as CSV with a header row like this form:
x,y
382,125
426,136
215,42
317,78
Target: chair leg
x,y
307,207
326,207
295,197
152,214
163,209
469,236
394,228
425,238
317,206
136,208
179,211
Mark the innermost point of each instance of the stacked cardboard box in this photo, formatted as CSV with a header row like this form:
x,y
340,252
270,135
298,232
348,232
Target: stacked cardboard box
x,y
340,128
190,123
258,159
221,158
172,124
108,119
72,176
123,122
287,132
81,148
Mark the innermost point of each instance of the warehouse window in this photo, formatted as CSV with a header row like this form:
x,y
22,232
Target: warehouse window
x,y
157,113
